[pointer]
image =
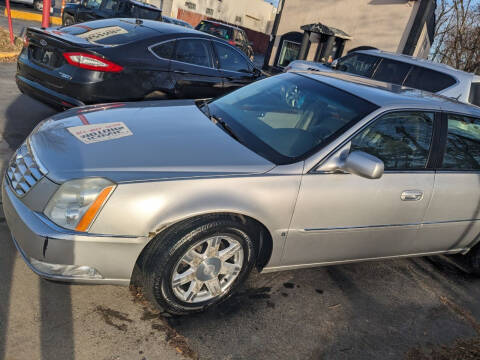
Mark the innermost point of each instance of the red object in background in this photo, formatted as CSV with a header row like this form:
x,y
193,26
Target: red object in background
x,y
10,28
46,13
63,7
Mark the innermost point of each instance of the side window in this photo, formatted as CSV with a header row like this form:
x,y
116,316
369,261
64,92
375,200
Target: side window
x,y
359,64
428,80
391,71
230,59
165,50
463,143
474,97
110,5
401,140
94,4
194,51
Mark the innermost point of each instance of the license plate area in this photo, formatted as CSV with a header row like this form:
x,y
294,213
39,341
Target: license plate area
x,y
45,57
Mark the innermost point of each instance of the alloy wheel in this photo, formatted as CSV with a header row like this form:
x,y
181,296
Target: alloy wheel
x,y
207,269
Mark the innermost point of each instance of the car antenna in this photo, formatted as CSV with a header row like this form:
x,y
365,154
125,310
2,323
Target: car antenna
x,y
138,21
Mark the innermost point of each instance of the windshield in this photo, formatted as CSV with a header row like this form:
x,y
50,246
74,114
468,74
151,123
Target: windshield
x,y
217,30
288,117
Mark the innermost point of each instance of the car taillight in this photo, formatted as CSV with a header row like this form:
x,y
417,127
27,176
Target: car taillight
x,y
231,42
26,41
91,62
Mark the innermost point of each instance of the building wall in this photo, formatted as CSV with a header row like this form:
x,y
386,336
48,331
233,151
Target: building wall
x,y
379,23
257,15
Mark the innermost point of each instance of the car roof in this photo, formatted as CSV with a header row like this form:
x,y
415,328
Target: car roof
x,y
220,23
165,28
417,61
385,94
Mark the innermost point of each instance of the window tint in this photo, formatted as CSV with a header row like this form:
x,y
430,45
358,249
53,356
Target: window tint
x,y
165,50
230,59
94,4
133,10
194,51
215,29
359,64
288,115
474,97
401,140
391,71
110,5
463,144
428,80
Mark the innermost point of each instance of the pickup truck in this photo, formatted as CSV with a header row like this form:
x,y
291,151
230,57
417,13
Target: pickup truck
x,y
87,10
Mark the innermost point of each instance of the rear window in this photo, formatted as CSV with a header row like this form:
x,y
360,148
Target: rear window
x,y
217,30
358,64
475,94
130,9
391,71
428,80
107,32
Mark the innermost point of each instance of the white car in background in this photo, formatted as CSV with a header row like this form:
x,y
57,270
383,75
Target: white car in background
x,y
37,4
402,70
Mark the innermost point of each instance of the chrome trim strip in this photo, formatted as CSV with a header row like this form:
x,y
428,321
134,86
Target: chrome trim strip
x,y
386,225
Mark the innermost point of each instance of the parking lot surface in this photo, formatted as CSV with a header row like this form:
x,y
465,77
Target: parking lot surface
x,y
378,310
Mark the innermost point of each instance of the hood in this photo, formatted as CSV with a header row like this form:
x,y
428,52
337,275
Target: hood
x,y
140,141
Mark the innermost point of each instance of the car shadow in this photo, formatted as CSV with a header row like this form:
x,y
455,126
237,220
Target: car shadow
x,y
55,313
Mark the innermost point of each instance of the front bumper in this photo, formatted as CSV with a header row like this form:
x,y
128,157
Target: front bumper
x,y
59,254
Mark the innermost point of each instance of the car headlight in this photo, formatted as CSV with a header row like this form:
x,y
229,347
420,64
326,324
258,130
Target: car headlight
x,y
77,202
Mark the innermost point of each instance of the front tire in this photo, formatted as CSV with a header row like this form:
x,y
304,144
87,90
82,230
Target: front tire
x,y
198,263
68,20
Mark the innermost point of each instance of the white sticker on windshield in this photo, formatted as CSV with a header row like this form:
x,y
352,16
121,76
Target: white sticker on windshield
x,y
100,132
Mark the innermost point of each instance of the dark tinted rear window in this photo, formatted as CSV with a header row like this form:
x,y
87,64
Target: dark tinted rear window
x,y
108,32
391,71
217,30
429,80
129,9
475,94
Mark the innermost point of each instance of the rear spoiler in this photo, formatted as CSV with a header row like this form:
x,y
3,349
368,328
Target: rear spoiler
x,y
62,37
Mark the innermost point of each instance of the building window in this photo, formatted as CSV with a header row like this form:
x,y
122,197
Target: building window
x,y
288,53
209,11
190,5
238,19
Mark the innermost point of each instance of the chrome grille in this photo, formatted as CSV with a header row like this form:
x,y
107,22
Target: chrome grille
x,y
24,171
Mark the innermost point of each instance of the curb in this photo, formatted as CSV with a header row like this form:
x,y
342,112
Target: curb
x,y
8,54
29,16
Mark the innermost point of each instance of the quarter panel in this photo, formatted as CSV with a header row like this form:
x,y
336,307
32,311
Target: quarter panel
x,y
148,207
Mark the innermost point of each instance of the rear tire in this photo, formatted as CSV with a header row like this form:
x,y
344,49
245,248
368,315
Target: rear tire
x,y
68,20
38,5
473,257
197,263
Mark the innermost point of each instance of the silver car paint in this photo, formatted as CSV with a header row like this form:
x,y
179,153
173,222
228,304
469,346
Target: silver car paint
x,y
300,207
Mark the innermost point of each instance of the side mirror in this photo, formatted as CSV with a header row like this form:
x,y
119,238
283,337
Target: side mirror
x,y
362,164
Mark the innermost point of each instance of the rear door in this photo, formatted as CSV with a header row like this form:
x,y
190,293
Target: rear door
x,y
91,11
236,70
193,69
453,217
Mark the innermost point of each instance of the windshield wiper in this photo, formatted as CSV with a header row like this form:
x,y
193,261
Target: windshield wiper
x,y
225,126
217,120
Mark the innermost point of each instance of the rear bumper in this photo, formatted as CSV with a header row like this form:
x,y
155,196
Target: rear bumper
x,y
45,94
62,255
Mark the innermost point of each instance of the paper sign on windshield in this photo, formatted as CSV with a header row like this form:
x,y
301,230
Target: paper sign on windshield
x,y
100,132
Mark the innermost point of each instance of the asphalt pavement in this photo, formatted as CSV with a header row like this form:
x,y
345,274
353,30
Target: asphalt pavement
x,y
374,310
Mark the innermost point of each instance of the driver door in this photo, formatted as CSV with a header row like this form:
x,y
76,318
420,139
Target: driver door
x,y
344,217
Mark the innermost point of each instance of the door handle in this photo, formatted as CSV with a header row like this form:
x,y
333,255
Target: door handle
x,y
180,71
412,195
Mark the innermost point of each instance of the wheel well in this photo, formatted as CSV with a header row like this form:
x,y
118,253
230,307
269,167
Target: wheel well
x,y
261,236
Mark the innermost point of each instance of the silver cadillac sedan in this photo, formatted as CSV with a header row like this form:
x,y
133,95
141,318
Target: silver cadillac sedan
x,y
293,171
